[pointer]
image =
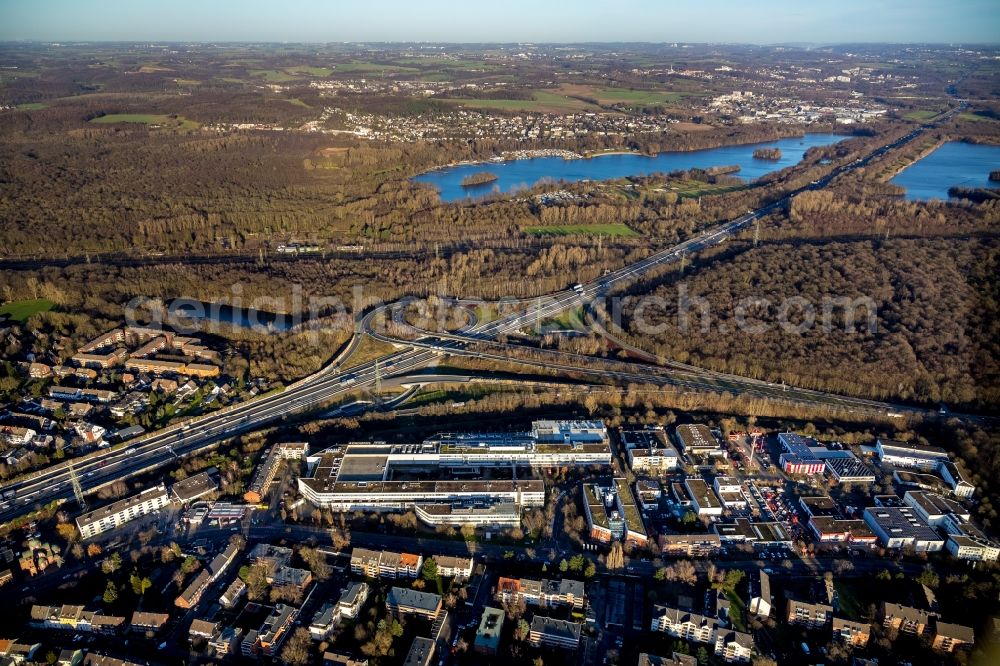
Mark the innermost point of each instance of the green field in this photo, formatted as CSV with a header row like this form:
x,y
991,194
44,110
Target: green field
x,y
272,75
22,310
637,97
921,114
147,119
439,62
309,71
358,66
32,106
975,117
612,229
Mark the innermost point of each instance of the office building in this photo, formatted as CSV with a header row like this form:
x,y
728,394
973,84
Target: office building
x,y
899,527
914,456
649,451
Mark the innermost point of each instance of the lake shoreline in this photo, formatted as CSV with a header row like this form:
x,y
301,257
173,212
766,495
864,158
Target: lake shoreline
x,y
517,170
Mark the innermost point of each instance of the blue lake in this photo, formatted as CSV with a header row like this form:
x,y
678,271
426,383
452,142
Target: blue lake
x,y
518,174
953,164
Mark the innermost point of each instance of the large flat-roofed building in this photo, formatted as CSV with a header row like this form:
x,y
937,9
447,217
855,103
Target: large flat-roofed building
x,y
421,652
797,455
703,498
363,475
401,495
968,542
899,527
114,515
605,516
649,451
474,512
838,530
952,475
488,634
193,487
849,470
730,492
934,509
404,601
699,440
546,631
635,529
819,506
761,534
903,454
569,432
689,545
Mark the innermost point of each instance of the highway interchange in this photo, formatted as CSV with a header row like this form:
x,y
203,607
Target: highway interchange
x,y
330,384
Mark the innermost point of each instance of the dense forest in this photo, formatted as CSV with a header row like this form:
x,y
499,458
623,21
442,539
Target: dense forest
x,y
936,335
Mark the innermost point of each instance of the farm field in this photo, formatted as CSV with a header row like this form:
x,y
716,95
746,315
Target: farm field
x,y
360,66
605,95
146,119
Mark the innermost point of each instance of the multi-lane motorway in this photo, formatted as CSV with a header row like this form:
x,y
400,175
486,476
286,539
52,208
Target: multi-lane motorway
x,y
154,450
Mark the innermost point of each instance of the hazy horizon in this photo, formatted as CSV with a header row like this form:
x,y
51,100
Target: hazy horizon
x,y
771,22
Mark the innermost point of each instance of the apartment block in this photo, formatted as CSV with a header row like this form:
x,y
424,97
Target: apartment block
x,y
809,615
549,632
117,514
385,564
565,592
405,601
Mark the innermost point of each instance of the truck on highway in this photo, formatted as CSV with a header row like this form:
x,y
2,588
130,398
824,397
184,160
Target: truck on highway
x,y
130,451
